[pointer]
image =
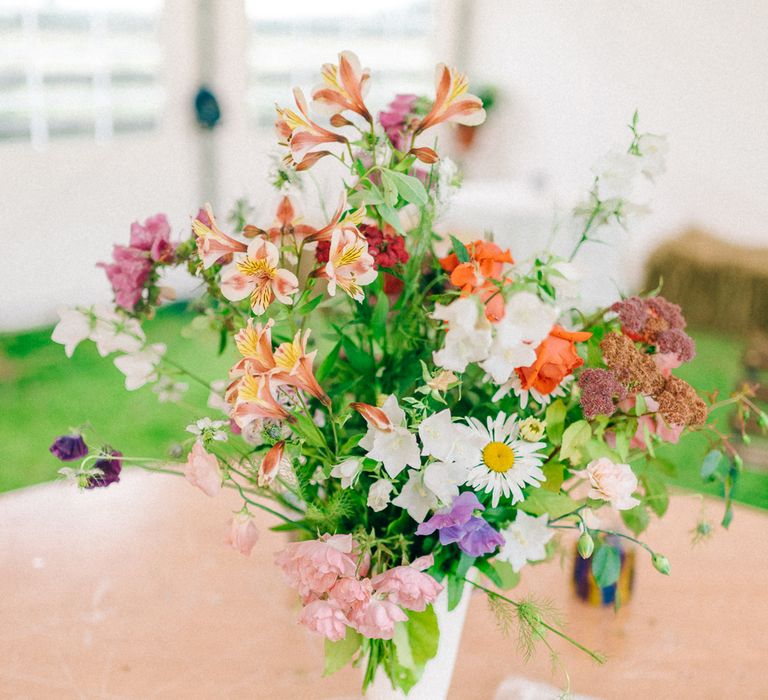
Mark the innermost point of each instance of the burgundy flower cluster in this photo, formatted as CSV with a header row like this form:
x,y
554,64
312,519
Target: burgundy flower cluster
x,y
133,264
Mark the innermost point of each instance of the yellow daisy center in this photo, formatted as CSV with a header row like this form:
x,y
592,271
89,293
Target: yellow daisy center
x,y
498,457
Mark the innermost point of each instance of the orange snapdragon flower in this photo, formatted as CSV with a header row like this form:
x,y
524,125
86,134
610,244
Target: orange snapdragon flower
x,y
556,358
481,275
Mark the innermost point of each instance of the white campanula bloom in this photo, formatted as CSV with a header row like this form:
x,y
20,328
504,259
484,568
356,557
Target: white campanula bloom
x,y
388,440
73,327
415,497
525,540
505,464
527,321
140,367
347,471
468,338
109,329
379,494
653,151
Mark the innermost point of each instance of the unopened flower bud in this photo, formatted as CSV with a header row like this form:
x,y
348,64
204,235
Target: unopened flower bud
x,y
661,564
586,545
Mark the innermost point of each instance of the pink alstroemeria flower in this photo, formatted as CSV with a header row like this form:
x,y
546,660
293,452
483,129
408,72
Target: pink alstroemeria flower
x,y
270,466
452,101
254,400
344,86
256,273
212,243
350,265
287,224
302,134
293,365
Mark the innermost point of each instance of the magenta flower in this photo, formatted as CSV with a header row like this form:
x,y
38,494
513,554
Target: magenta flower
x,y
68,448
395,119
458,524
153,236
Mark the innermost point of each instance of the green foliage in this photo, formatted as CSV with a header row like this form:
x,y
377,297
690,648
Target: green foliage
x,y
555,417
575,437
556,505
606,565
339,654
636,519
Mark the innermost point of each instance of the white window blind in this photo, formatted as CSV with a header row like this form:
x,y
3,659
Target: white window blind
x,y
78,67
289,42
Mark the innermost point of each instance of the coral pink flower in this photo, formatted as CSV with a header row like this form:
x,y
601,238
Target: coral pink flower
x,y
254,400
350,265
325,617
374,416
202,470
242,534
351,594
452,101
293,365
212,243
287,224
255,345
343,87
313,567
271,464
408,586
302,134
255,273
376,619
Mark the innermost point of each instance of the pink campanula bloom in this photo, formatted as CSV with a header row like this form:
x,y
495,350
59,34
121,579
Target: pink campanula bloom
x,y
312,567
202,470
408,586
377,618
325,617
243,533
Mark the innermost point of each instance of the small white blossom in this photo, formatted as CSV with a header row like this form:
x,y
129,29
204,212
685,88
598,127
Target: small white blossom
x,y
347,471
115,332
532,429
140,367
207,429
525,540
653,151
396,447
415,497
378,494
469,334
170,391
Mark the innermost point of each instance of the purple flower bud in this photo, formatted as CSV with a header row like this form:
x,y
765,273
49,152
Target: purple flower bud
x,y
68,448
110,469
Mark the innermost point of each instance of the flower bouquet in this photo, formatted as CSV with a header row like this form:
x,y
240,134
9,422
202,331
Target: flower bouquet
x,y
423,415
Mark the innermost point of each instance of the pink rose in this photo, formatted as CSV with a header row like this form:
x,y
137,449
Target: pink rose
x,y
408,585
611,482
376,619
351,593
202,470
312,567
325,617
243,533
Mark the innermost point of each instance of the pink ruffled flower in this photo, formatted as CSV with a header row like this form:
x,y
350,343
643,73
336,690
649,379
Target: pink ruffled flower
x,y
408,586
314,566
202,470
243,533
396,117
153,236
325,617
351,594
376,619
127,273
611,482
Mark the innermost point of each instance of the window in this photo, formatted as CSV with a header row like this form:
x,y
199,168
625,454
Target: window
x,y
290,41
78,67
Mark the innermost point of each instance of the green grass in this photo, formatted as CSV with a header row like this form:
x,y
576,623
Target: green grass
x,y
43,394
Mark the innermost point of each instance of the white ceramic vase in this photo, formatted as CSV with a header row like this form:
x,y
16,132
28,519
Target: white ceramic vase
x,y
436,680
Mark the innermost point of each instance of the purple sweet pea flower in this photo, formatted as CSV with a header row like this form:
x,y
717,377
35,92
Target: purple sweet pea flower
x,y
68,448
459,525
110,469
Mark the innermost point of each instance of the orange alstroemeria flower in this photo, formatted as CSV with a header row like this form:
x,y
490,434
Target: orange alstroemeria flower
x,y
481,275
301,134
556,358
293,365
452,101
286,225
344,86
271,464
254,400
212,243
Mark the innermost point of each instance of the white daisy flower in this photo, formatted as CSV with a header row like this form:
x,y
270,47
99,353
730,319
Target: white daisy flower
x,y
506,464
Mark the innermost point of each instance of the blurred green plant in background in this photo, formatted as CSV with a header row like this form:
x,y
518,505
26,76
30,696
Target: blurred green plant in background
x,y
42,395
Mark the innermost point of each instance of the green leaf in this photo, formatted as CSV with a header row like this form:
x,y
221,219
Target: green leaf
x,y
455,589
460,250
539,501
408,187
606,566
309,306
555,417
339,654
508,576
575,437
656,494
636,519
555,473
390,216
379,317
423,635
361,361
328,363
487,568
641,406
389,187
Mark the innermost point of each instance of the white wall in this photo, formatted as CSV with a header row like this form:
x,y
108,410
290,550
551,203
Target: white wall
x,y
572,73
